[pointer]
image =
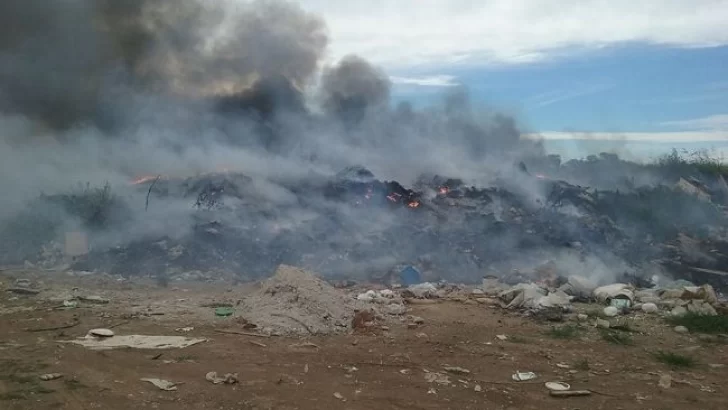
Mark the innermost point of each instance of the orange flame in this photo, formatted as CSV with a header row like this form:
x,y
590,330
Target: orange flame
x,y
394,197
143,179
444,190
414,204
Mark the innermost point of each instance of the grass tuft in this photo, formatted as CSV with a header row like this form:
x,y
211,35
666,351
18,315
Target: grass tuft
x,y
674,360
564,332
617,338
698,323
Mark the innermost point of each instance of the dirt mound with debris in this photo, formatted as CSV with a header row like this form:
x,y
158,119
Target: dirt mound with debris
x,y
297,302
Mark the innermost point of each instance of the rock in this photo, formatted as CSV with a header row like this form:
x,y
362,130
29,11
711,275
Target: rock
x,y
582,317
701,308
477,388
339,396
681,329
650,308
395,309
716,366
101,332
418,320
477,292
679,311
611,311
602,324
665,381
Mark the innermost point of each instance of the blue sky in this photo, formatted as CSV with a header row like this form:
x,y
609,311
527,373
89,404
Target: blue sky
x,y
649,70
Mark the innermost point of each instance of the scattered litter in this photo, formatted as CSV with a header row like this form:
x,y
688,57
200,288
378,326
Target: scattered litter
x,y
523,376
76,322
229,378
339,396
563,366
557,386
405,371
304,345
93,299
184,329
224,311
101,332
421,291
570,393
478,389
665,381
161,384
253,342
70,304
431,390
136,342
438,378
50,376
456,370
502,337
236,332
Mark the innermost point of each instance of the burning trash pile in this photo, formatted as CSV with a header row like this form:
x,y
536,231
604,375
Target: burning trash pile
x,y
353,226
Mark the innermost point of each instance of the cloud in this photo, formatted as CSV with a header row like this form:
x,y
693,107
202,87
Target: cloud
x,y
408,33
428,81
697,136
717,122
556,96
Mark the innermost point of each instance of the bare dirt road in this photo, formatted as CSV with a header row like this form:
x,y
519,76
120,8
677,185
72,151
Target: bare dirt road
x,y
454,360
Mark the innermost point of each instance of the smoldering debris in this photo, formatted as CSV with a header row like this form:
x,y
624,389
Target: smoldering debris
x,y
355,226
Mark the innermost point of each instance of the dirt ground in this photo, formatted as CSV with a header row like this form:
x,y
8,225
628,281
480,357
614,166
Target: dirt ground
x,y
383,368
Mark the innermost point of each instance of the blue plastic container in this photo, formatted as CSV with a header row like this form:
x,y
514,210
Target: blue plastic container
x,y
410,276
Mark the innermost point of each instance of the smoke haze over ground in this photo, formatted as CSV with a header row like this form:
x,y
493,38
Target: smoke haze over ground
x,y
95,92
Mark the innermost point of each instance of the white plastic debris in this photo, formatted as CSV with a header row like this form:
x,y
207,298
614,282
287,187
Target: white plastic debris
x,y
229,378
136,342
423,290
50,376
161,384
523,376
604,294
557,386
101,332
